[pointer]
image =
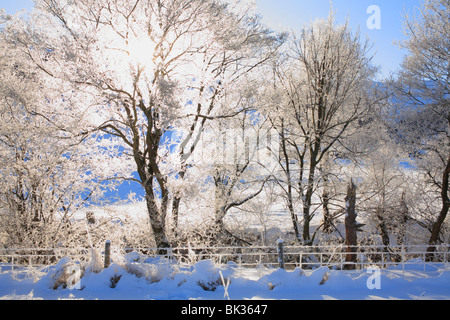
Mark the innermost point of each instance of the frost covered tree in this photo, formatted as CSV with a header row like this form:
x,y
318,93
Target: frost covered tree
x,y
383,192
146,71
226,88
240,169
49,169
323,90
421,103
227,163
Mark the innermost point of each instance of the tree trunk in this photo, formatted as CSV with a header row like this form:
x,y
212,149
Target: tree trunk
x,y
156,215
442,215
327,218
175,214
289,184
350,225
157,224
176,197
308,200
383,228
403,218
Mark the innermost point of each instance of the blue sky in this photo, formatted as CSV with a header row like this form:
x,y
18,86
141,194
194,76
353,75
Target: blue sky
x,y
12,6
293,14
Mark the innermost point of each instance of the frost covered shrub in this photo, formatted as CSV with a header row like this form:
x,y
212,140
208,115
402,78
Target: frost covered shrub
x,y
65,274
118,226
208,277
152,269
209,234
96,263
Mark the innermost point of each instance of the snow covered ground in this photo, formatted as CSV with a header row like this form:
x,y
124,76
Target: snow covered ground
x,y
158,279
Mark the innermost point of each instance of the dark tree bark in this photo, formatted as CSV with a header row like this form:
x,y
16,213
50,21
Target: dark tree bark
x,y
382,227
287,171
401,227
350,225
442,215
326,196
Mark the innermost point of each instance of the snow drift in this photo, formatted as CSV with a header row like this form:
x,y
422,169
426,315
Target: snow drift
x,y
162,279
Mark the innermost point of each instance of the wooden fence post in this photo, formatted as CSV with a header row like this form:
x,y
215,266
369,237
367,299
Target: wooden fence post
x,y
280,249
107,253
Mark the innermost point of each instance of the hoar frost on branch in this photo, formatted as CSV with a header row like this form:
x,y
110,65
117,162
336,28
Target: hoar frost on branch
x,y
421,101
183,97
143,70
320,92
49,168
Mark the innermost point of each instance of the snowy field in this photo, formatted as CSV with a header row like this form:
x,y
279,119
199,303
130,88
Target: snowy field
x,y
160,279
156,279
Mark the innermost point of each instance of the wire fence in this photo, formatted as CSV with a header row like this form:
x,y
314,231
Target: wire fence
x,y
17,258
277,256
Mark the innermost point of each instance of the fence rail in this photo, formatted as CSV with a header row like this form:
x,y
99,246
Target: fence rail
x,y
288,257
14,258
